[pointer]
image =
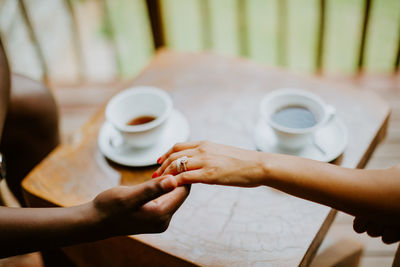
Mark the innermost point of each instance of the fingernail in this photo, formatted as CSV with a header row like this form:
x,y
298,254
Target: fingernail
x,y
159,160
154,175
168,183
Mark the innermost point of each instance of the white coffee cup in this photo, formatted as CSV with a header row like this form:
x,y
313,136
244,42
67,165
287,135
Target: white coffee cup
x,y
295,138
136,102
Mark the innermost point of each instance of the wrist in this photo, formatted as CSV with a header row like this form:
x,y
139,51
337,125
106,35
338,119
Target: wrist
x,y
265,167
91,222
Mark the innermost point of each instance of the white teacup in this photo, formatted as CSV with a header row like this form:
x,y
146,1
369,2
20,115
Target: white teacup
x,y
295,138
136,102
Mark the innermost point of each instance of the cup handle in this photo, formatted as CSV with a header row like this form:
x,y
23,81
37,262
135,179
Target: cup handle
x,y
316,145
117,140
331,113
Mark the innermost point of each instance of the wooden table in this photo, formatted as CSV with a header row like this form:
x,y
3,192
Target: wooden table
x,y
216,226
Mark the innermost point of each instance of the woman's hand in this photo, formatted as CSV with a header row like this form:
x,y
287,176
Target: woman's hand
x,y
212,163
144,208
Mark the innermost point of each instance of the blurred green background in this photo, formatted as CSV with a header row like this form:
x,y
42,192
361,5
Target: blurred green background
x,y
113,38
184,23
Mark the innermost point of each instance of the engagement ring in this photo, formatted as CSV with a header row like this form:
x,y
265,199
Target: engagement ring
x,y
181,164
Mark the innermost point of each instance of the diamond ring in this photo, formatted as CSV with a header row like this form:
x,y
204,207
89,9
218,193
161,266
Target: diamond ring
x,y
181,164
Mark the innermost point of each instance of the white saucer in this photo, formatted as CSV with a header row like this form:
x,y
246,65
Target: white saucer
x,y
176,130
329,141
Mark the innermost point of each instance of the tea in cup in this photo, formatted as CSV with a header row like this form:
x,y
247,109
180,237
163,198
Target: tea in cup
x,y
295,115
139,115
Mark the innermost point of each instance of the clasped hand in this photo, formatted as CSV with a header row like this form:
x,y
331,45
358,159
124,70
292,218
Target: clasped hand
x,y
212,163
144,208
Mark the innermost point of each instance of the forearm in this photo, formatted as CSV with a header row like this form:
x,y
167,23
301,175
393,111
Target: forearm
x,y
29,229
365,193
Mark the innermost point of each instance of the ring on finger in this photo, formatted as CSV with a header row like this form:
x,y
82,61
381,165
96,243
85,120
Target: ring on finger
x,y
181,164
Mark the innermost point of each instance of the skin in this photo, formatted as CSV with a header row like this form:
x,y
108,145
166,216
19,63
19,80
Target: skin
x,y
122,210
372,196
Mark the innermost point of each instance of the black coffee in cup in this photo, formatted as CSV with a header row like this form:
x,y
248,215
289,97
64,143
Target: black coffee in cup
x,y
296,117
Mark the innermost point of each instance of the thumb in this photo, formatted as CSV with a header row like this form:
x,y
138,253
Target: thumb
x,y
152,189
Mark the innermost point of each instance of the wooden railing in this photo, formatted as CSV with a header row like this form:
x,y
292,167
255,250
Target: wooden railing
x,y
300,35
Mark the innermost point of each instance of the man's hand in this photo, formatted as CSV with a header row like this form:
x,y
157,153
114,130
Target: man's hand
x,y
122,210
389,234
144,208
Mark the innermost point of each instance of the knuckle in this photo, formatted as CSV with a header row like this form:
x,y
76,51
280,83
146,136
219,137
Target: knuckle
x,y
355,228
172,170
177,147
373,233
185,177
390,236
167,170
359,225
120,200
166,164
173,157
387,240
203,144
209,172
150,189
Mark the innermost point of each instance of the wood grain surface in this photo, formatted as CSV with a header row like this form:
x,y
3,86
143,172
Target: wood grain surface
x,y
216,226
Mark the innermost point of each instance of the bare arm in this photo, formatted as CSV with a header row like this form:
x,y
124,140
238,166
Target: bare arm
x,y
372,194
365,193
118,211
29,229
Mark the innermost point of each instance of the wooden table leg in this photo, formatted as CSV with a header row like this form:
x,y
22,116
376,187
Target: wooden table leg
x,y
396,261
345,252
